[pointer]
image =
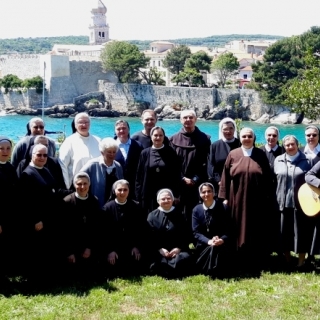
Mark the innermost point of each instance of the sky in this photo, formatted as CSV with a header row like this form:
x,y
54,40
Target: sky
x,y
158,20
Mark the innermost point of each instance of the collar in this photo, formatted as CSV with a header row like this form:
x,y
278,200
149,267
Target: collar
x,y
33,165
211,207
157,148
82,137
81,198
128,143
247,152
2,162
120,203
316,150
292,158
101,161
166,211
269,149
228,141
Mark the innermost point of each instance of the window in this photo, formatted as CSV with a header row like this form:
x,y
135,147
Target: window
x,y
245,76
159,63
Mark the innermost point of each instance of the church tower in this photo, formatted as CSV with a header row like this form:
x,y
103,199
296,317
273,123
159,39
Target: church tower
x,y
99,29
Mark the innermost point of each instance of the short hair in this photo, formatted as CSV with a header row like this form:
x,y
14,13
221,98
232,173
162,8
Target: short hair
x,y
108,143
81,115
38,138
121,181
206,184
38,147
157,128
290,136
149,111
122,121
185,112
80,175
33,120
161,191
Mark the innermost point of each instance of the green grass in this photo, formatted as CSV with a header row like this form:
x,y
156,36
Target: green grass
x,y
269,296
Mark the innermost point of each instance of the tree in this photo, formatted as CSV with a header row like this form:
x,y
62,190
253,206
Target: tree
x,y
35,82
303,93
176,59
199,61
124,59
224,66
152,76
189,75
283,62
10,81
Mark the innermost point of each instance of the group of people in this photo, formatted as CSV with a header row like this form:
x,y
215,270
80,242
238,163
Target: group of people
x,y
133,204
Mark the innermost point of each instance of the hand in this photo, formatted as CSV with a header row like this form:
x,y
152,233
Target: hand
x,y
188,182
225,202
0,229
38,226
72,259
164,252
217,241
174,252
87,253
136,253
112,257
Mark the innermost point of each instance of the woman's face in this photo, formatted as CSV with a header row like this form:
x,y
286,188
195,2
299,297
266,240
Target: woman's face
x,y
109,155
82,186
121,191
290,146
5,151
39,158
272,137
312,137
206,194
165,201
246,139
228,130
157,138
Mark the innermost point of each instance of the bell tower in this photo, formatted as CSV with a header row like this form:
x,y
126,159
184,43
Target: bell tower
x,y
99,29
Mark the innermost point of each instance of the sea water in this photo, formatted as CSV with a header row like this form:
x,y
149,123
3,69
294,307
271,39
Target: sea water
x,y
14,126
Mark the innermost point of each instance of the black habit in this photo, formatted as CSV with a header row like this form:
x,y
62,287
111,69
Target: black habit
x,y
145,140
167,230
157,169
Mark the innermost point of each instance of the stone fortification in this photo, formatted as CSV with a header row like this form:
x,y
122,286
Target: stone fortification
x,y
22,65
13,99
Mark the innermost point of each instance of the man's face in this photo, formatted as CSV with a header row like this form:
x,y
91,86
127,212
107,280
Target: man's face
x,y
189,121
83,126
37,128
148,120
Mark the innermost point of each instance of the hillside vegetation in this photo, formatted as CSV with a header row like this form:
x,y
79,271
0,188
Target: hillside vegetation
x,y
43,45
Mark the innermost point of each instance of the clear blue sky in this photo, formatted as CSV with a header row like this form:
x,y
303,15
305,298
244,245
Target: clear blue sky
x,y
159,20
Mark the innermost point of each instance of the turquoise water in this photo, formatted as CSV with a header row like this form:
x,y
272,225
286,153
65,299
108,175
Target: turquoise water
x,y
14,126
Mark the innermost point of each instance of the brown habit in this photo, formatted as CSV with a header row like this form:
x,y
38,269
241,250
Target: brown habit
x,y
246,184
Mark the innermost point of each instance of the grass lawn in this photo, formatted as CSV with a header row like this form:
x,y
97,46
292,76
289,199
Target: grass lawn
x,y
268,296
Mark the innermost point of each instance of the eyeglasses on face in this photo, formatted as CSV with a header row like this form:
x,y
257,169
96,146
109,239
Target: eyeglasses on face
x,y
247,136
38,127
311,135
40,155
272,135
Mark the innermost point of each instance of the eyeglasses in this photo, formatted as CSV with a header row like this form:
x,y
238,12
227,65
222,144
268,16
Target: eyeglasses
x,y
40,155
272,135
247,136
83,123
311,135
38,127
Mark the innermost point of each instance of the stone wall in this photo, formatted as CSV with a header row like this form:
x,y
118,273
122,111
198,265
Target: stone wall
x,y
14,99
22,65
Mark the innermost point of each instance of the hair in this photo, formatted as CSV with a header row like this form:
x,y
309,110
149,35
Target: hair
x,y
81,115
33,120
37,138
81,175
108,143
38,147
157,128
312,127
149,111
290,136
4,138
185,112
206,184
121,181
163,191
272,128
124,122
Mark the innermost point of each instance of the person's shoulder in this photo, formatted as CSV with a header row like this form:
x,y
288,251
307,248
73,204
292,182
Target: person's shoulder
x,y
109,205
136,144
95,138
136,135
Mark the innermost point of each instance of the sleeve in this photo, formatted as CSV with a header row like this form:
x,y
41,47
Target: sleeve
x,y
312,176
65,162
225,179
140,177
196,227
